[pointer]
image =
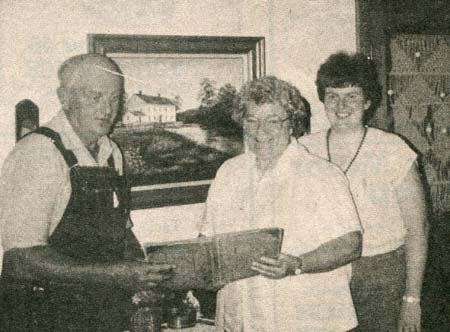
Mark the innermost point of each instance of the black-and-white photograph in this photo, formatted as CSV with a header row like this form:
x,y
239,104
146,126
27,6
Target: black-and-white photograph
x,y
225,166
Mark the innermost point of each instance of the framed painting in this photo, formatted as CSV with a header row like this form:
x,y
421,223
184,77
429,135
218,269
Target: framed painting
x,y
176,127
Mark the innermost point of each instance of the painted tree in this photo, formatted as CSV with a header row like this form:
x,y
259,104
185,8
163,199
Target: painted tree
x,y
219,116
227,94
178,102
208,93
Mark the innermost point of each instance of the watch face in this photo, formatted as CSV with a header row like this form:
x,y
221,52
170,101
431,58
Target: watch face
x,y
411,299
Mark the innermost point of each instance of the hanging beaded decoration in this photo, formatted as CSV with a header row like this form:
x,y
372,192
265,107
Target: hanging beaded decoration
x,y
419,95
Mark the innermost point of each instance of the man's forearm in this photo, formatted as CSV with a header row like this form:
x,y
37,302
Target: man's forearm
x,y
332,254
45,264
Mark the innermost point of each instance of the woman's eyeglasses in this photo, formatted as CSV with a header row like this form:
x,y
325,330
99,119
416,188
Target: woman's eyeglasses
x,y
270,124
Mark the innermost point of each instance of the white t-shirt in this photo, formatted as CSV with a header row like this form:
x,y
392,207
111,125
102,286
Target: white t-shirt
x,y
382,163
310,199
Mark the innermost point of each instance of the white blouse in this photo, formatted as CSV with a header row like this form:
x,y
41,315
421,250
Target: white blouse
x,y
383,162
310,199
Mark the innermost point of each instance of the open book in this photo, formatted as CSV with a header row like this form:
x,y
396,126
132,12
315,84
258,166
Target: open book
x,y
210,262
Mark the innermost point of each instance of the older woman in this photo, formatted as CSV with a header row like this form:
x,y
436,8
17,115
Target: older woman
x,y
384,180
277,183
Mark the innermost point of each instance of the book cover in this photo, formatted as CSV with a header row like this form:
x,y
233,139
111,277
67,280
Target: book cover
x,y
210,262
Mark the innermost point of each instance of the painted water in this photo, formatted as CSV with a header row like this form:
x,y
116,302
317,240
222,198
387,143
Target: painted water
x,y
208,137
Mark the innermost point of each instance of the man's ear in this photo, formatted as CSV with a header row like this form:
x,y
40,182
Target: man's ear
x,y
61,92
367,105
64,97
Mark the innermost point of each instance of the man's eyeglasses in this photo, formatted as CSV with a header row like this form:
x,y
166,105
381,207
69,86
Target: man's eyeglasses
x,y
270,124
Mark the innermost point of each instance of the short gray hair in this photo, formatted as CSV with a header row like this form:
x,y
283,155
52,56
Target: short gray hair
x,y
271,90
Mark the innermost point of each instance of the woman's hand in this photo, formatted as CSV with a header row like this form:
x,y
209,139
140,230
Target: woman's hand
x,y
409,320
277,268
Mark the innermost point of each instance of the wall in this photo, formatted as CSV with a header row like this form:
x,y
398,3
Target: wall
x,y
36,36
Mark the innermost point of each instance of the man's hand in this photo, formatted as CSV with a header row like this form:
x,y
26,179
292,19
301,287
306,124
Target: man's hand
x,y
276,268
409,320
140,275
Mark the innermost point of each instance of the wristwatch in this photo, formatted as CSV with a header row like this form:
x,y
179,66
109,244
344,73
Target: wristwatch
x,y
410,299
298,269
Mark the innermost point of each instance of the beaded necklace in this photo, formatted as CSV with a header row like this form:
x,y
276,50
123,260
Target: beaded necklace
x,y
356,153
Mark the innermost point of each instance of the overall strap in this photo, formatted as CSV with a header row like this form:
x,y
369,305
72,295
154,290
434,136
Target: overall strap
x,y
68,155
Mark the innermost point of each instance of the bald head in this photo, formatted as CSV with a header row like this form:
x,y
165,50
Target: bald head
x,y
75,68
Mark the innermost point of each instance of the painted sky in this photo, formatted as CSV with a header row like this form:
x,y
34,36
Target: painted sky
x,y
171,75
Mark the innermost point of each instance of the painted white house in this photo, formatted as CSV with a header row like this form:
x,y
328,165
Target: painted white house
x,y
144,109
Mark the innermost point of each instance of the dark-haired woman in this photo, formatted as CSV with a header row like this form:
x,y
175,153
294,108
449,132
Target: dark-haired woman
x,y
385,182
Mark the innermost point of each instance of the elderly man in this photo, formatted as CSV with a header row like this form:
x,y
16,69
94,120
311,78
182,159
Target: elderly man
x,y
65,231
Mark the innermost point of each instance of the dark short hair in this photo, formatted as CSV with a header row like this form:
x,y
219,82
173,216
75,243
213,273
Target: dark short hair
x,y
342,70
271,90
